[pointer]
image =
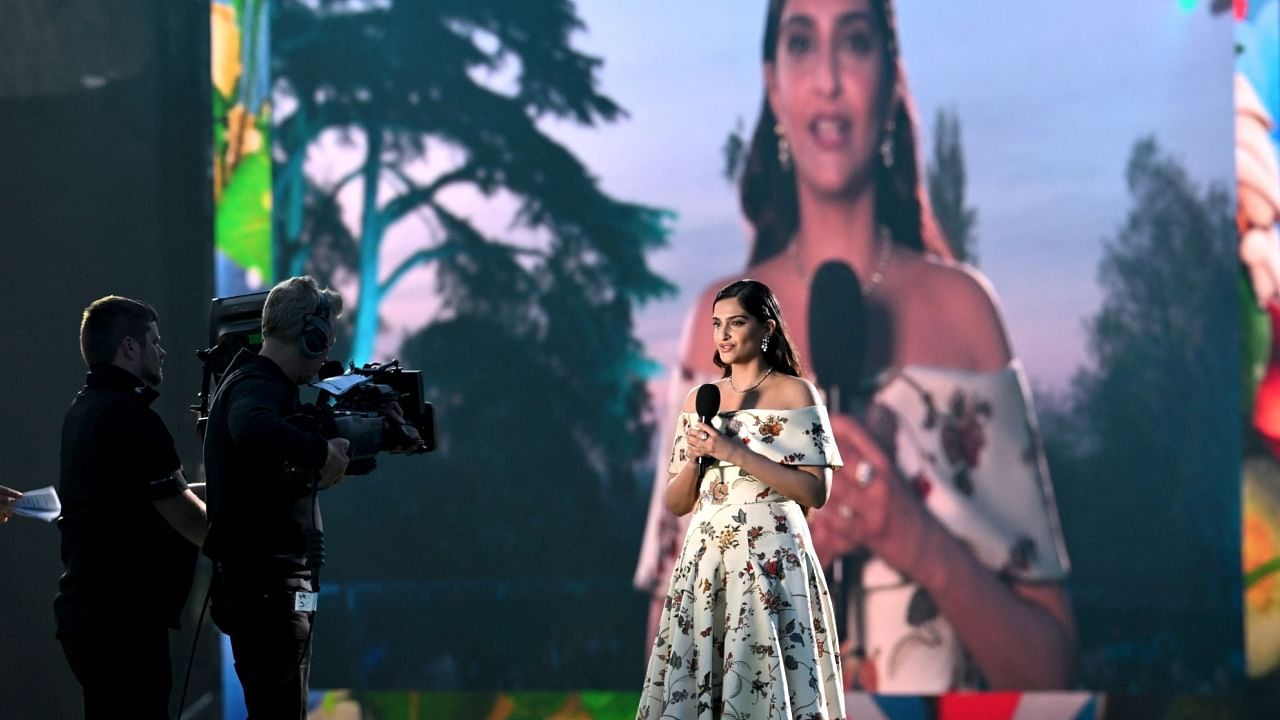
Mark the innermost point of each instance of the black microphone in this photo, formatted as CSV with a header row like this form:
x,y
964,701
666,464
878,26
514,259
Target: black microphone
x,y
707,404
837,333
837,346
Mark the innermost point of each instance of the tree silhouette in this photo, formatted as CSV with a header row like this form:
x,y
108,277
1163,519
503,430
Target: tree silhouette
x,y
733,153
1145,450
946,178
458,88
523,526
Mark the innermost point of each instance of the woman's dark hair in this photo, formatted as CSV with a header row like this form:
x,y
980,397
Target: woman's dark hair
x,y
768,192
758,300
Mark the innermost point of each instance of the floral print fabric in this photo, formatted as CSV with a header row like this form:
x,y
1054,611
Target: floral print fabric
x,y
968,444
747,629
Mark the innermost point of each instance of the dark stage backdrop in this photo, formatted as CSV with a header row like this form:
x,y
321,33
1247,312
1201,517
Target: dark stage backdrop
x,y
104,134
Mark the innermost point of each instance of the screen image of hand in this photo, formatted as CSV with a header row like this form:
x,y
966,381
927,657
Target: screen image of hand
x,y
878,511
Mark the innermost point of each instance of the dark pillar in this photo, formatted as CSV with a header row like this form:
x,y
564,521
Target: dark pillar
x,y
104,127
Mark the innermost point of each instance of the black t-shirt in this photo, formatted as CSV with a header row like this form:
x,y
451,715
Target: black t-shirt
x,y
122,560
258,509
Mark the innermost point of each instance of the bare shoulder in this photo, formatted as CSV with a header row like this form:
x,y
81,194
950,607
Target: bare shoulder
x,y
691,398
963,308
791,393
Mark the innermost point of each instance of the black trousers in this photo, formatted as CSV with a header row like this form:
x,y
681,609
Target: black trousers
x,y
123,671
271,642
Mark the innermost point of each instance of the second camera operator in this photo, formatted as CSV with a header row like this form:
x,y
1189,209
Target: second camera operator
x,y
260,472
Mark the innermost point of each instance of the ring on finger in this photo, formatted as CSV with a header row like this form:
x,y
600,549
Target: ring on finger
x,y
864,473
706,435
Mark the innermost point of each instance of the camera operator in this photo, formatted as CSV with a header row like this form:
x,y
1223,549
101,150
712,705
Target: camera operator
x,y
260,471
130,526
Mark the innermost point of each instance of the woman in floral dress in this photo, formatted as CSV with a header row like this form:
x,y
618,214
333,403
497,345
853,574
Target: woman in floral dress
x,y
747,629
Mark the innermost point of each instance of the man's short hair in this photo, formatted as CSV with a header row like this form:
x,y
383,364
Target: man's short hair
x,y
108,321
290,302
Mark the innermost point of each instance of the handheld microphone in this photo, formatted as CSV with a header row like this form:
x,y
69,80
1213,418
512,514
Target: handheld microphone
x,y
707,403
837,333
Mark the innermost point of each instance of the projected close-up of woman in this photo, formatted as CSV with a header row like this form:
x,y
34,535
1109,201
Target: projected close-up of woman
x,y
963,508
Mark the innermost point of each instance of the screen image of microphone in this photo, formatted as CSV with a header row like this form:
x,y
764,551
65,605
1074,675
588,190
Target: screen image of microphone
x,y
707,404
837,346
837,333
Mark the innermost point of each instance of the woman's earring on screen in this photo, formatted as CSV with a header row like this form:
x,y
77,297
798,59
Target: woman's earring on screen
x,y
886,145
784,148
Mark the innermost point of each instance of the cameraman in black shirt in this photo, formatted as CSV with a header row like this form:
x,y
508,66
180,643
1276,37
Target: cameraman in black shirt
x,y
262,472
130,526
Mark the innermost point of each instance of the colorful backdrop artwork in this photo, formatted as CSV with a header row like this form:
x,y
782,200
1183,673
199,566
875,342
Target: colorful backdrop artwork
x,y
1257,102
239,39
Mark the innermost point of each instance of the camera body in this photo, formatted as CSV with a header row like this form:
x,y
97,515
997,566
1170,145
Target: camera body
x,y
350,405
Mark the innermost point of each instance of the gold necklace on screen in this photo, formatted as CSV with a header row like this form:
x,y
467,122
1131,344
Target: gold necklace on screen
x,y
877,275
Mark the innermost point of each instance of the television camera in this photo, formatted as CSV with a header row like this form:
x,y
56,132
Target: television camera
x,y
349,404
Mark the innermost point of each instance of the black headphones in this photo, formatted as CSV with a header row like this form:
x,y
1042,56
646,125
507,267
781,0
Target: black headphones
x,y
313,342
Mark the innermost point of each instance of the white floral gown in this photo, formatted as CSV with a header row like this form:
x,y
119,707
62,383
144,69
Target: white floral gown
x,y
747,630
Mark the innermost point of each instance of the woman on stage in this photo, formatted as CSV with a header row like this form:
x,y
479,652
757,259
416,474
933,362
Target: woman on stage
x,y
747,627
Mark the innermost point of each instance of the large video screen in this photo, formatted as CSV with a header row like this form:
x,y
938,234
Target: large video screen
x,y
535,204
